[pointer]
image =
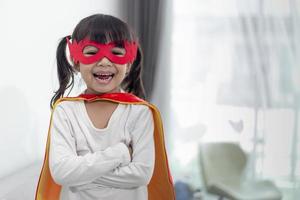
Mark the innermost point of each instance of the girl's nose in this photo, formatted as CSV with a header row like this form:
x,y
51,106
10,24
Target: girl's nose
x,y
104,62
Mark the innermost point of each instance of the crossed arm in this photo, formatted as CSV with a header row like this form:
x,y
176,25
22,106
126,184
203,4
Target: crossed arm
x,y
139,171
111,167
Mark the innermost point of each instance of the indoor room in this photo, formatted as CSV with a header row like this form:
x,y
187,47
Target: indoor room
x,y
217,84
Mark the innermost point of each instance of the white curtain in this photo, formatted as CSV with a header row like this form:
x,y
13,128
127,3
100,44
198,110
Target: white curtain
x,y
235,76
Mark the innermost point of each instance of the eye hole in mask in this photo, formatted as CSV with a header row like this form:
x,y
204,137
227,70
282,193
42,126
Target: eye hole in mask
x,y
90,51
118,51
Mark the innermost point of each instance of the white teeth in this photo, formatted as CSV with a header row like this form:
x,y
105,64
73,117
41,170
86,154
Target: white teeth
x,y
103,74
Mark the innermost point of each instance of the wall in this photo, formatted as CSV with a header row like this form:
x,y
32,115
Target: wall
x,y
29,34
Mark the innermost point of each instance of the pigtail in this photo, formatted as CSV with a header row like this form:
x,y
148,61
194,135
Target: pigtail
x,y
133,82
65,72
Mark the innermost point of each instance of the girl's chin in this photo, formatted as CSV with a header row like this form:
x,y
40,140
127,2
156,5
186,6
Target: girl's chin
x,y
102,90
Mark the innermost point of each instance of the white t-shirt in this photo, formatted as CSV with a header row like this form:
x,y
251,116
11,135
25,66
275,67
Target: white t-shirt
x,y
92,163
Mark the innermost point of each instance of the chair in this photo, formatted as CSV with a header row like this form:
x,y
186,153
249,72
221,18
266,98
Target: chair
x,y
222,167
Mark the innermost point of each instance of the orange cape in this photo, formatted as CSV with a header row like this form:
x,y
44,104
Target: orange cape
x,y
161,184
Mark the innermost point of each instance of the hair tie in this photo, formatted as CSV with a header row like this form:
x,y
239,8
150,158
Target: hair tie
x,y
68,37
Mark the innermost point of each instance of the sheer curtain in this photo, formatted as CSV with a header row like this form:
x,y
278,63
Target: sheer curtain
x,y
236,77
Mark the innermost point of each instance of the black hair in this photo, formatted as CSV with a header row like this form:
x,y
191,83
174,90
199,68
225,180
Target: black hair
x,y
103,29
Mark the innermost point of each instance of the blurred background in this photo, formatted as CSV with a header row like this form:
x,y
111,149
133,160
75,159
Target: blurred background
x,y
219,71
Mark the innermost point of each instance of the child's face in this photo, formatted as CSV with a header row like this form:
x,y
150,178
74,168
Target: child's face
x,y
103,76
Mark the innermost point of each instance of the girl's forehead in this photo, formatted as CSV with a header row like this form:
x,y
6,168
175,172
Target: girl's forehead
x,y
90,43
116,42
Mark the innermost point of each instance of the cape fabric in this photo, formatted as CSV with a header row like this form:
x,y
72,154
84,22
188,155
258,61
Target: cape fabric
x,y
161,183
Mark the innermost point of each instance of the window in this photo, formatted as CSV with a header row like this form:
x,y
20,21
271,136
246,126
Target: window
x,y
236,77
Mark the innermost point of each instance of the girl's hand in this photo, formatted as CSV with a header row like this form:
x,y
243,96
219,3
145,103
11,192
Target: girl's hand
x,y
130,151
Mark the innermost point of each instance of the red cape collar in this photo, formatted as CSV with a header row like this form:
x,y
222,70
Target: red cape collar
x,y
119,96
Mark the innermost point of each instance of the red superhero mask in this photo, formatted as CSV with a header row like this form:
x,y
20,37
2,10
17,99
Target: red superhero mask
x,y
111,51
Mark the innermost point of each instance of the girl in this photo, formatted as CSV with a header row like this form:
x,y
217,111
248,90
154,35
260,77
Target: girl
x,y
107,143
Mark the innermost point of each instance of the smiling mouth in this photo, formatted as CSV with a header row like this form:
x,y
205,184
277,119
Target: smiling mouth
x,y
103,77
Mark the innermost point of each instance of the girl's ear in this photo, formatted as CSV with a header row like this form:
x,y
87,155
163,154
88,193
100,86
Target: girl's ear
x,y
72,63
76,67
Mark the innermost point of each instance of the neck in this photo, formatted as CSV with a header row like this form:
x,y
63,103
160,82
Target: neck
x,y
87,91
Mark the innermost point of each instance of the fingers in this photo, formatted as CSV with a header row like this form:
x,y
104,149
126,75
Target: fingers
x,y
130,150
